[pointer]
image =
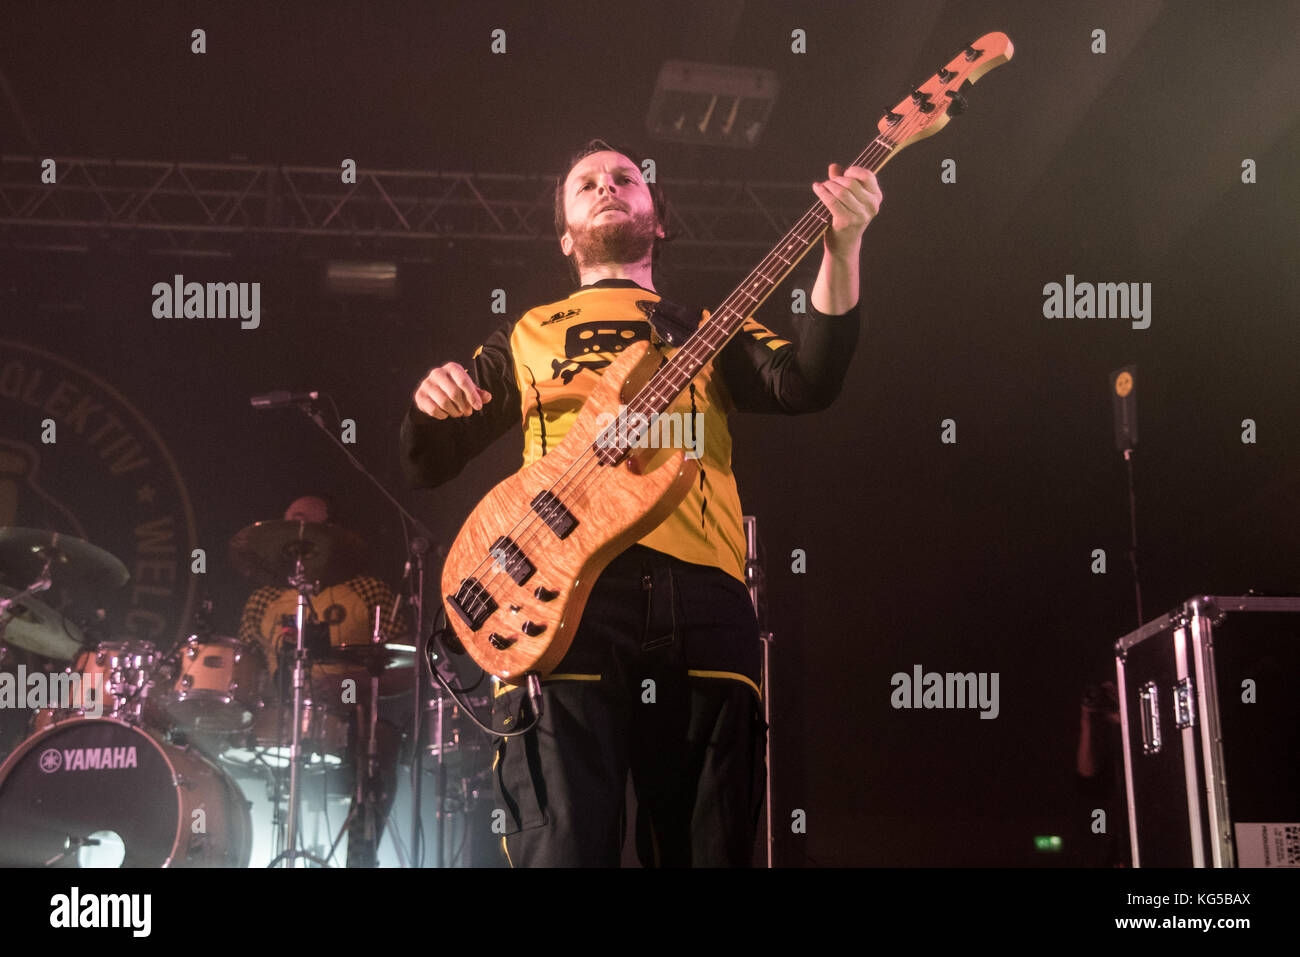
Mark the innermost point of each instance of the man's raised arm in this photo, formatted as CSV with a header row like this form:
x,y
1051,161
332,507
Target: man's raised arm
x,y
451,420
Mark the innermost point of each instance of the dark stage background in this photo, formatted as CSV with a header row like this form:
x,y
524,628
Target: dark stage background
x,y
1115,167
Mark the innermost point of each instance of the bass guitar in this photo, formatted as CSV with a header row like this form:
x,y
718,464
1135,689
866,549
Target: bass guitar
x,y
518,576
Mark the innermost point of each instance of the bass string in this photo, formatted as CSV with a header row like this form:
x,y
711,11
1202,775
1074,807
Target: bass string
x,y
536,520
585,462
661,389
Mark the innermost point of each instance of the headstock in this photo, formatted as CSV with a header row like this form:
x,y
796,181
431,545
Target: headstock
x,y
927,110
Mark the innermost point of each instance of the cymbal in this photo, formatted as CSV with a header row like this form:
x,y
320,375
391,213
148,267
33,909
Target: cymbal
x,y
35,626
392,662
364,655
76,566
266,552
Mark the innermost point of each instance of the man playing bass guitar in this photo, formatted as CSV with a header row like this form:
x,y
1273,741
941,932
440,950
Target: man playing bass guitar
x,y
662,678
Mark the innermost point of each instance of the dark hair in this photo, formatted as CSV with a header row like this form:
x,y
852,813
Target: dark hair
x,y
662,209
331,505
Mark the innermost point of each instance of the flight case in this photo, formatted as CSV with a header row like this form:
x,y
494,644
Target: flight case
x,y
1208,711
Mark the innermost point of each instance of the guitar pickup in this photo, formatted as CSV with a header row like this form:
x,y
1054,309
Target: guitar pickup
x,y
510,558
554,513
472,602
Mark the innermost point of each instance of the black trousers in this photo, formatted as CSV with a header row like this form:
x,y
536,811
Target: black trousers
x,y
635,693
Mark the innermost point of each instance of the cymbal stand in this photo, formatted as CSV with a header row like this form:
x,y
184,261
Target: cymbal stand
x,y
300,583
43,583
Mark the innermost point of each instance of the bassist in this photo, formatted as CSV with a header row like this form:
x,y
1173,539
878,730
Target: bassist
x,y
662,678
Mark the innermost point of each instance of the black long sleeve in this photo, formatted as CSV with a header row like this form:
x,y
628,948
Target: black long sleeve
x,y
760,371
765,373
434,451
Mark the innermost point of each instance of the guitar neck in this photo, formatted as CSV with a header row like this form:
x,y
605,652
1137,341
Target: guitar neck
x,y
672,378
923,113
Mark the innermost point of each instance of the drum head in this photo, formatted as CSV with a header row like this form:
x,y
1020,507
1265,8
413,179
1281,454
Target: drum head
x,y
85,792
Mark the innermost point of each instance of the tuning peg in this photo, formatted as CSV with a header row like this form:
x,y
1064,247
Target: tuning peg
x,y
922,101
958,105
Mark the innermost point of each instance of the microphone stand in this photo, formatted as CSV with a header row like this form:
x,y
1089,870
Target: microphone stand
x,y
1133,535
308,408
419,547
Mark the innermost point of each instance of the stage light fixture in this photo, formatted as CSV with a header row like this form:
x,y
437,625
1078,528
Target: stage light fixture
x,y
712,103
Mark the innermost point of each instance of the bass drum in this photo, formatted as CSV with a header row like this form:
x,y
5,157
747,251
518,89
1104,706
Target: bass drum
x,y
98,792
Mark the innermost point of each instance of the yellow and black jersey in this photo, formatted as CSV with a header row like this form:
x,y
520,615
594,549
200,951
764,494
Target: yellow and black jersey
x,y
540,369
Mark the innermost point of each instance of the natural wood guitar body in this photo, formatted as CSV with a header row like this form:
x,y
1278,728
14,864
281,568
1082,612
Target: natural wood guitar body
x,y
613,506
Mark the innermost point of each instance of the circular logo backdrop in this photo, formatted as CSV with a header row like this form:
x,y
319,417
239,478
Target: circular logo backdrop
x,y
106,477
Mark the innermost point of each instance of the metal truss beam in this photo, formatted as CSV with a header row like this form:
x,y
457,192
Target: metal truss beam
x,y
228,209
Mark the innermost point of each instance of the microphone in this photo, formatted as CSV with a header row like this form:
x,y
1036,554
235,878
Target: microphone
x,y
281,398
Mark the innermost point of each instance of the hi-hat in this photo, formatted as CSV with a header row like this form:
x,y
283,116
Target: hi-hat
x,y
76,566
35,626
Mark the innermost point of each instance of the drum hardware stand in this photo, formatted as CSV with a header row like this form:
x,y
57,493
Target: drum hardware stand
x,y
132,711
299,582
43,583
443,693
756,580
417,755
419,547
366,795
74,845
440,830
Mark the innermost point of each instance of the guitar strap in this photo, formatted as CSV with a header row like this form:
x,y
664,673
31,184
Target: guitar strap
x,y
672,323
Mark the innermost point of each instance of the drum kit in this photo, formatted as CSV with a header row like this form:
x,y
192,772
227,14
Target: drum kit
x,y
99,781
136,764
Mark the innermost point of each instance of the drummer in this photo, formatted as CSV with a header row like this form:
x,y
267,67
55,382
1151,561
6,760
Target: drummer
x,y
346,611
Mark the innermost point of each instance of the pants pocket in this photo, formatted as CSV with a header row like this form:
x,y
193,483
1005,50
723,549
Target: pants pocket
x,y
516,766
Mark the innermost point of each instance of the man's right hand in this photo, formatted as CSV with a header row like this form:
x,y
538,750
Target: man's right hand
x,y
448,392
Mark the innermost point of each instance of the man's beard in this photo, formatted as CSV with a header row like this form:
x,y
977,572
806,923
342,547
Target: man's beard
x,y
619,243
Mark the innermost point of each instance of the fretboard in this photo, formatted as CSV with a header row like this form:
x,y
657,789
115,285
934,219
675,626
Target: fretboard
x,y
672,378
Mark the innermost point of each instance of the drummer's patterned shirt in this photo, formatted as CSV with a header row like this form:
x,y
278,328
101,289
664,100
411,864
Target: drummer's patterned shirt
x,y
346,609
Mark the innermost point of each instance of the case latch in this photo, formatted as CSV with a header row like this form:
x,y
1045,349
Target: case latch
x,y
1149,699
1184,703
